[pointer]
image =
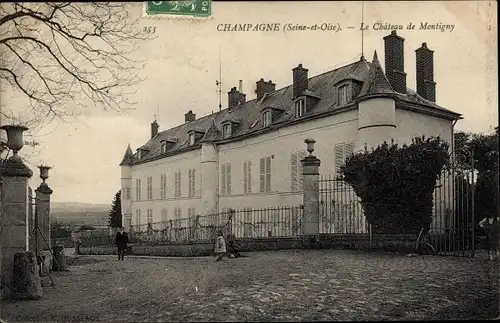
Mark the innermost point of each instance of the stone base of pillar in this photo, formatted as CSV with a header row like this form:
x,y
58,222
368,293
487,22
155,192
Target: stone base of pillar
x,y
46,260
26,283
59,263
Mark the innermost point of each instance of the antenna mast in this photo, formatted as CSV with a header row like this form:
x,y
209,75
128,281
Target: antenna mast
x,y
219,81
362,28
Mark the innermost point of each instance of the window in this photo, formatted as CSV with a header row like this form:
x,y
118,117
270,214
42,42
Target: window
x,y
163,147
341,152
297,175
191,186
137,189
138,220
343,95
164,218
225,179
177,185
150,188
300,108
267,118
128,221
191,139
247,177
163,186
226,130
177,213
150,218
265,174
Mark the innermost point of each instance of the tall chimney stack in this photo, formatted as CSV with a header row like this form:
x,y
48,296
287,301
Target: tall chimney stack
x,y
395,62
426,87
154,129
300,80
190,116
264,87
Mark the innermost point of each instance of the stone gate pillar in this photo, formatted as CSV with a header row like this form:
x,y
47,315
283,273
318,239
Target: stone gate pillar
x,y
43,193
310,222
14,213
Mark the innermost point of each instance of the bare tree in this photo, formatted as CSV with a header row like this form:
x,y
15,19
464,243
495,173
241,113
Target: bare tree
x,y
61,56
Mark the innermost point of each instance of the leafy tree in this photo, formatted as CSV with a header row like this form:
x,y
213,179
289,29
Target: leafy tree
x,y
485,152
396,184
115,215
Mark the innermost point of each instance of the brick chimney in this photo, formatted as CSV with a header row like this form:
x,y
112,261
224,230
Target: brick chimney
x,y
264,87
426,87
300,80
154,128
235,98
395,62
190,116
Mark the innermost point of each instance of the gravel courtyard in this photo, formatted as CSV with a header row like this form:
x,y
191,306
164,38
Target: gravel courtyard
x,y
267,286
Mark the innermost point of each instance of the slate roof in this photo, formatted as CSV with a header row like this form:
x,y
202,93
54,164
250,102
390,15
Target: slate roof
x,y
249,114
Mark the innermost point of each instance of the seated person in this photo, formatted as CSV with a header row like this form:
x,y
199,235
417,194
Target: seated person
x,y
233,248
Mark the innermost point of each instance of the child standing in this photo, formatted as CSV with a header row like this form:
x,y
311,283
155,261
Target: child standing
x,y
220,246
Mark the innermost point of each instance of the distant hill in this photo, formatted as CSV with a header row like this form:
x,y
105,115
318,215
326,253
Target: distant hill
x,y
77,213
76,207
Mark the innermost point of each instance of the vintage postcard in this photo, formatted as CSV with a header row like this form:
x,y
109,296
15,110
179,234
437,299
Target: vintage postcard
x,y
249,161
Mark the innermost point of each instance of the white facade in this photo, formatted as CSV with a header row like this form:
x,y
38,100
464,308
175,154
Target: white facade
x,y
279,146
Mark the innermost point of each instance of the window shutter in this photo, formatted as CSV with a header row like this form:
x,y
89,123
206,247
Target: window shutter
x,y
349,149
302,155
262,174
268,174
180,182
249,177
339,156
193,190
223,183
245,179
228,176
294,170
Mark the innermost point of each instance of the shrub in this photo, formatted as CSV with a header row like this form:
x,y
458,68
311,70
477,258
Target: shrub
x,y
396,184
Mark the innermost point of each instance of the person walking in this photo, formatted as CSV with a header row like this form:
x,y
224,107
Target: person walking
x,y
121,241
220,246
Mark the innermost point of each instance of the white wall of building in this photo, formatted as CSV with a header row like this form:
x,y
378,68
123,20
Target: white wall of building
x,y
279,145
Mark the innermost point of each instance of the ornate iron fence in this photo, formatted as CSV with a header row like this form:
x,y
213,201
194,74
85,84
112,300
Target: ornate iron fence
x,y
453,227
276,222
340,208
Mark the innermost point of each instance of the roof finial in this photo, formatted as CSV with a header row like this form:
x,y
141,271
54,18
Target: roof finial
x,y
375,56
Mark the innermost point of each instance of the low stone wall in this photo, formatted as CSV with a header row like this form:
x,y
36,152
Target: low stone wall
x,y
386,242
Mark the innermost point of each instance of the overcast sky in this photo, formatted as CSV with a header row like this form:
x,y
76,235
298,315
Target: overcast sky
x,y
183,65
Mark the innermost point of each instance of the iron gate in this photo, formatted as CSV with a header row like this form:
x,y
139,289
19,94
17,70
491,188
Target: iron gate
x,y
452,230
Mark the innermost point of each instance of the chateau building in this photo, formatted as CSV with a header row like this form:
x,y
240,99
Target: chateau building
x,y
248,155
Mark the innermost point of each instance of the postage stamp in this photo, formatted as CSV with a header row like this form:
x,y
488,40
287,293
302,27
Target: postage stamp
x,y
190,9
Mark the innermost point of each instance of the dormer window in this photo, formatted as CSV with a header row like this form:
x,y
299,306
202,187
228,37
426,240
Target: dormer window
x,y
267,118
192,139
139,155
163,146
226,130
300,108
343,94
